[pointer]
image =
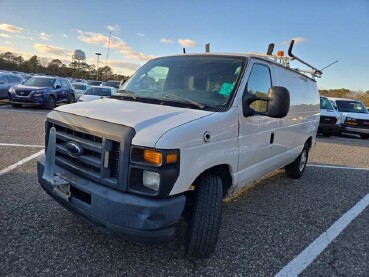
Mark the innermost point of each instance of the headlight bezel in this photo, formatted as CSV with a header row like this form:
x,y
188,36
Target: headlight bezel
x,y
168,172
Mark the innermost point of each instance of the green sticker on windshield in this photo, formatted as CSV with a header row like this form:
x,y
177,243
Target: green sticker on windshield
x,y
226,89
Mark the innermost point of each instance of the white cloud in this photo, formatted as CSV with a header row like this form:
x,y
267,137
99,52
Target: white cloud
x,y
6,49
140,34
296,39
113,28
53,50
187,43
23,37
44,36
116,43
64,35
10,28
78,31
8,42
166,40
4,35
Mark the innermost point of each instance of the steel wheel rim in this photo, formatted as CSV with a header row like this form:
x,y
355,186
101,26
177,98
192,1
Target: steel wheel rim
x,y
303,160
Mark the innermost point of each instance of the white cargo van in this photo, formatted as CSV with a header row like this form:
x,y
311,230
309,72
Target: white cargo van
x,y
181,134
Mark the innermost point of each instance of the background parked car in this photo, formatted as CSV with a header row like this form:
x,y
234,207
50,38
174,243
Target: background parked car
x,y
112,83
354,116
80,89
97,92
96,83
6,82
330,120
44,91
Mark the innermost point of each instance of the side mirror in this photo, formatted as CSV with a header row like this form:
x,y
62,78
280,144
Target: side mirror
x,y
278,103
57,86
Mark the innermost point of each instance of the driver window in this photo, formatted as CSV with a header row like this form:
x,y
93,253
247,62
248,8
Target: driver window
x,y
57,82
259,83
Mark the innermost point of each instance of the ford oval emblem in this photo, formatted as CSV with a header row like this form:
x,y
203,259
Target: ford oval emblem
x,y
73,149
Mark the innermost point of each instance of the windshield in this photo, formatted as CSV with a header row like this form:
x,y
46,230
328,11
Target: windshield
x,y
325,104
199,81
98,91
78,86
112,84
39,82
351,106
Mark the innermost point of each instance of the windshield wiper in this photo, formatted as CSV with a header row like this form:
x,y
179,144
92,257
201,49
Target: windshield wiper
x,y
197,104
130,93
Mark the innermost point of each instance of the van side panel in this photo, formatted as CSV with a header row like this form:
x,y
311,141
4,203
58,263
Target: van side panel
x,y
302,120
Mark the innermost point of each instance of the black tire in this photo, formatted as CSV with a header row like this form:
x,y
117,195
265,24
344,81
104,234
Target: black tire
x,y
327,135
364,136
17,105
50,103
297,167
71,98
205,217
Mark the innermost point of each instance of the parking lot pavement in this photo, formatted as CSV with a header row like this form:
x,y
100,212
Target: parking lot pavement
x,y
263,229
345,150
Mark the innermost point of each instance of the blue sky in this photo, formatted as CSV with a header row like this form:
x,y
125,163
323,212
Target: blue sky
x,y
326,31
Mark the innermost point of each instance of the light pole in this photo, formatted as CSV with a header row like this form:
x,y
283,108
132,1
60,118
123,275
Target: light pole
x,y
97,66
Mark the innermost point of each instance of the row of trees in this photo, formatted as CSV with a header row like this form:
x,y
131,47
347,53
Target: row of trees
x,y
12,62
346,93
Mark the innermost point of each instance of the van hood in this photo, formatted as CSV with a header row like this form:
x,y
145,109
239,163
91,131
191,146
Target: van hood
x,y
149,121
354,115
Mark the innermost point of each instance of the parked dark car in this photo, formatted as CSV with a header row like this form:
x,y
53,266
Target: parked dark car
x,y
6,82
95,83
114,84
44,91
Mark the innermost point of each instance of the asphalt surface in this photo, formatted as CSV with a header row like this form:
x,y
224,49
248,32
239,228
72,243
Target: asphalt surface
x,y
263,228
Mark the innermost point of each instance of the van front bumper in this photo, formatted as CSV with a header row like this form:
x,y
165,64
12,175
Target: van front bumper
x,y
127,215
353,130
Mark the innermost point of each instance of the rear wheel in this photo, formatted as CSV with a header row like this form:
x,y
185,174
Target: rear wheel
x,y
205,217
71,99
17,105
297,167
364,136
50,103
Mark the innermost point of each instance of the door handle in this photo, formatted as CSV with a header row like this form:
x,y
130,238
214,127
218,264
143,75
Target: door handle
x,y
271,138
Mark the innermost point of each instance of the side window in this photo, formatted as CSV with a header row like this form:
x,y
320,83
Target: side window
x,y
12,79
57,82
259,83
64,83
4,79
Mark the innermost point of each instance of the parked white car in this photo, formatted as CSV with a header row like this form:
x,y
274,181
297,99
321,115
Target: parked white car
x,y
330,119
354,116
181,134
80,89
97,92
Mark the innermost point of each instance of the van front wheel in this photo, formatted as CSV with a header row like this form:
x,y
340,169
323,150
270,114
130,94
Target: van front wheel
x,y
297,167
204,224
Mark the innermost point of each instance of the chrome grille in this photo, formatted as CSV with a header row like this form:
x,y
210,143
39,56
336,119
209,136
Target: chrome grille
x,y
90,163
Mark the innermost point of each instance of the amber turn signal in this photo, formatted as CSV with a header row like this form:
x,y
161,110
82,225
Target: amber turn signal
x,y
171,158
153,157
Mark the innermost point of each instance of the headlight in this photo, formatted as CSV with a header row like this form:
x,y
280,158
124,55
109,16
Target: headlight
x,y
153,172
11,90
151,180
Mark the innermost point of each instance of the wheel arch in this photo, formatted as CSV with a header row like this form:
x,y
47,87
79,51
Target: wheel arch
x,y
221,170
